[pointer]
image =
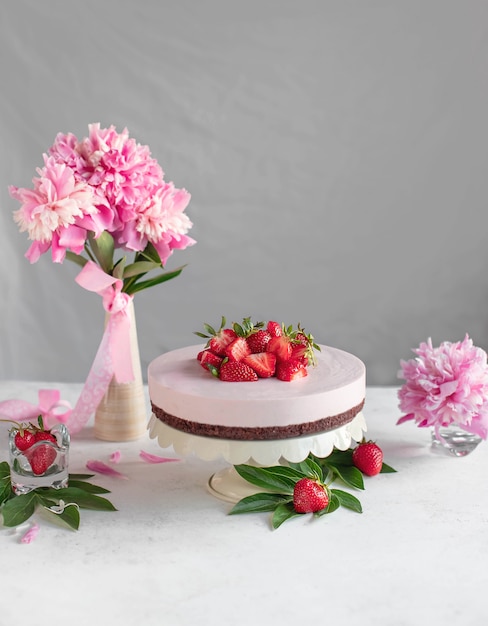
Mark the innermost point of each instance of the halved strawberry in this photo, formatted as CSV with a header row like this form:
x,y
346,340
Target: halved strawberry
x,y
274,329
209,360
263,363
234,372
219,343
300,352
290,370
280,346
237,349
258,340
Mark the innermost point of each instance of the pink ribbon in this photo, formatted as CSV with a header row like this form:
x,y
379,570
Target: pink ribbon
x,y
50,406
117,330
113,358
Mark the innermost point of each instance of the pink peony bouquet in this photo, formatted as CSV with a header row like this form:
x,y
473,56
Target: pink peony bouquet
x,y
446,385
99,195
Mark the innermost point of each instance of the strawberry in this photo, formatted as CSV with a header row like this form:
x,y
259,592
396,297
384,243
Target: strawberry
x,y
208,359
24,439
41,458
44,435
290,370
258,340
263,363
281,347
235,372
237,349
300,352
368,457
274,329
309,496
219,343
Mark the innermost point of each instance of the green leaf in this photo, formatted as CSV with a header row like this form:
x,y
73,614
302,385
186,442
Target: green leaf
x,y
341,457
259,503
18,509
89,487
70,515
82,498
139,268
387,469
134,287
334,504
348,500
150,254
309,467
351,476
76,258
80,476
279,478
5,485
118,270
103,249
282,513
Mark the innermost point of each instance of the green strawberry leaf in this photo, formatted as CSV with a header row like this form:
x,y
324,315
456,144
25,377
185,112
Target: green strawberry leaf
x,y
282,513
17,510
348,500
277,478
80,476
259,502
350,475
70,516
387,469
81,497
309,467
89,487
5,486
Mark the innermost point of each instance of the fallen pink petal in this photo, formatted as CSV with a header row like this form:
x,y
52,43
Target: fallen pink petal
x,y
115,456
31,534
102,468
153,458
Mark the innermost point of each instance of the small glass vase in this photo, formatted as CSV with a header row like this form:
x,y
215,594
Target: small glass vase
x,y
44,464
454,440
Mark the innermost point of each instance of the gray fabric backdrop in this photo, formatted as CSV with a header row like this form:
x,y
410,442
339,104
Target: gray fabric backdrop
x,y
336,153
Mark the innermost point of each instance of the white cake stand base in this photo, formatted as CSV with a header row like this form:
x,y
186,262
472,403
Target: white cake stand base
x,y
227,484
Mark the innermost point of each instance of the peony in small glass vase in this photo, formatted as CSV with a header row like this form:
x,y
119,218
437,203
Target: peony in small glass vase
x,y
44,463
454,440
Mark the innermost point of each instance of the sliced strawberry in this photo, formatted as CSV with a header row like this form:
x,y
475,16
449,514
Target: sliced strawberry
x,y
237,349
258,341
41,458
274,329
300,352
222,339
281,347
263,363
209,360
290,370
234,372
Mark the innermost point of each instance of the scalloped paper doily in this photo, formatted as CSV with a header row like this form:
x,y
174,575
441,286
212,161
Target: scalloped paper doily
x,y
264,453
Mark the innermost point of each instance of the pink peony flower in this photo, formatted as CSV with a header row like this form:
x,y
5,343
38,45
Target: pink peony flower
x,y
104,183
51,212
446,385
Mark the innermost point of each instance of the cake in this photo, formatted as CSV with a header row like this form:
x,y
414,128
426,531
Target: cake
x,y
186,397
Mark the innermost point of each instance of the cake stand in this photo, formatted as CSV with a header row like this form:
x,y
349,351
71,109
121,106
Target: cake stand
x,y
226,484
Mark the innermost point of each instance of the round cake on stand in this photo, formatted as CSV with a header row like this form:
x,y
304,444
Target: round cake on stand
x,y
264,422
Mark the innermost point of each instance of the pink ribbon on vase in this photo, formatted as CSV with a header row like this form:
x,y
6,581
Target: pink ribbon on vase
x,y
113,357
49,404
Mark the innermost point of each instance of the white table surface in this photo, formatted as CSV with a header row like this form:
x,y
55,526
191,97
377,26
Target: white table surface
x,y
171,555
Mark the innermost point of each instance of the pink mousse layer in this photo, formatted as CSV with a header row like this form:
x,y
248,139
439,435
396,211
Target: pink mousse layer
x,y
180,386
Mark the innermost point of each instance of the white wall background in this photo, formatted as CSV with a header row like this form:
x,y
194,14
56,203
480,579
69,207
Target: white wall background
x,y
336,152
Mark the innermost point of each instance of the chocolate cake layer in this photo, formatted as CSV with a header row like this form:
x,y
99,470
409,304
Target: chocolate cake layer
x,y
242,433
